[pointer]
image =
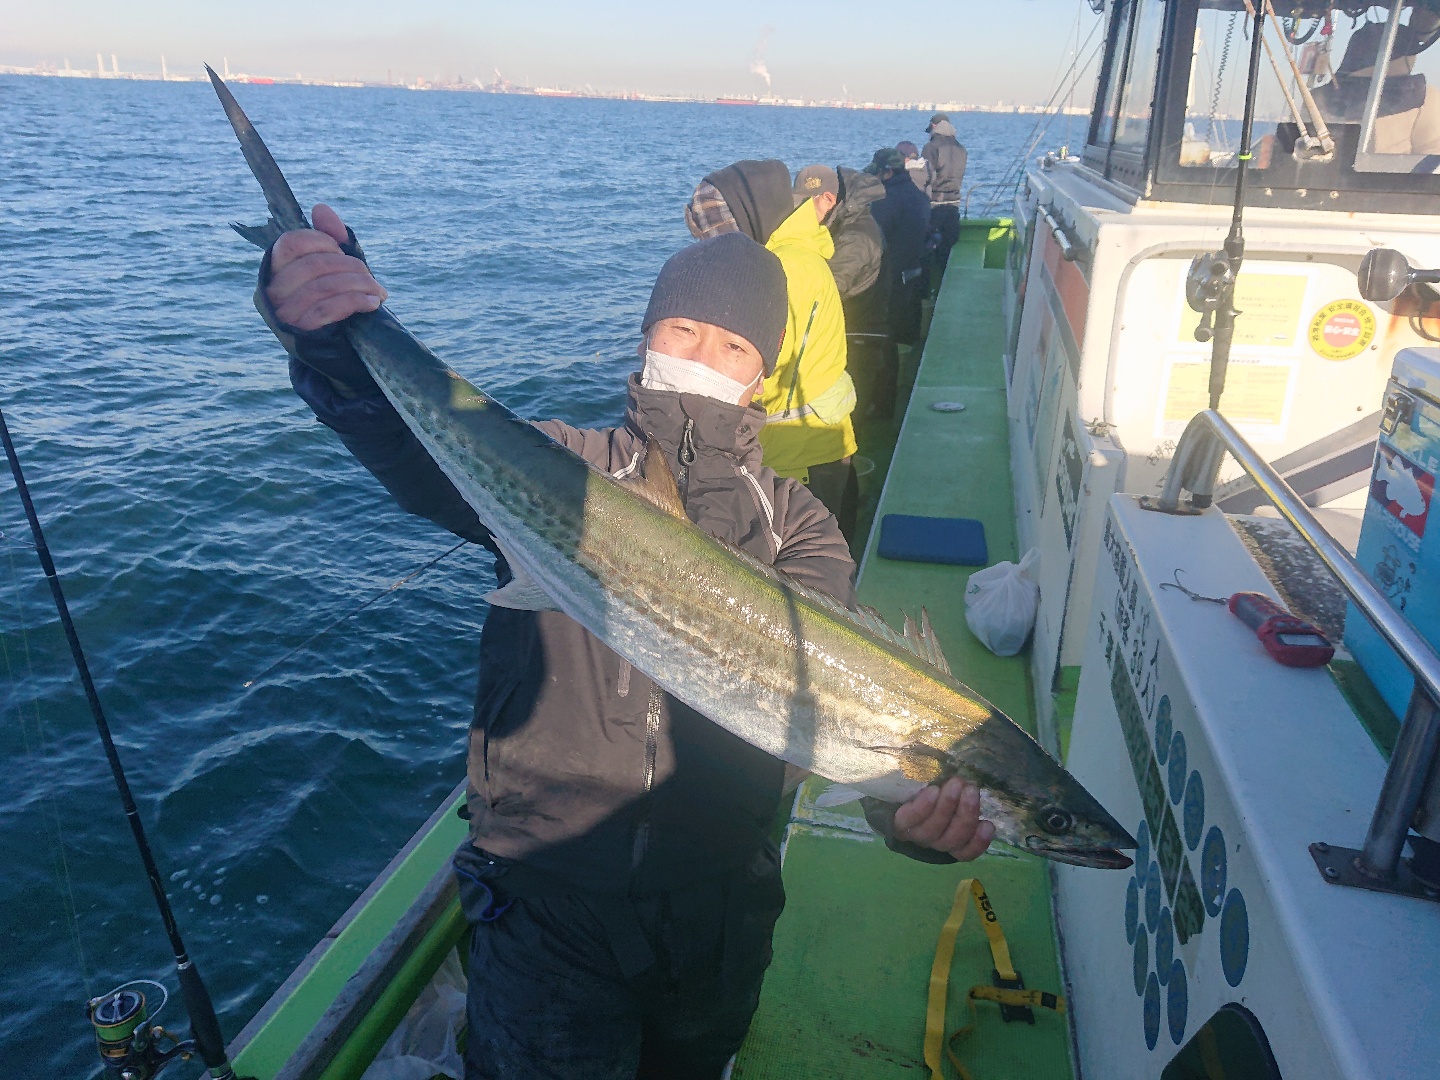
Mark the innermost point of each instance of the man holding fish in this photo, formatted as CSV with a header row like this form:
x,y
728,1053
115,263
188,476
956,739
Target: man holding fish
x,y
620,878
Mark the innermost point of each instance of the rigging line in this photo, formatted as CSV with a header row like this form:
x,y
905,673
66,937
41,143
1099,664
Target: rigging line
x,y
354,611
1017,166
62,860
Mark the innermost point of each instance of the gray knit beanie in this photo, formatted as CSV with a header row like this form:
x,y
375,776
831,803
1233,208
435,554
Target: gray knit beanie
x,y
728,281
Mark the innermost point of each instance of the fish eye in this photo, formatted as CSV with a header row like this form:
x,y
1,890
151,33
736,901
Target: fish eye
x,y
1055,821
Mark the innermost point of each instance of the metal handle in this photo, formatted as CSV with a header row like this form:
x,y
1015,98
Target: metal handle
x,y
1068,251
1195,467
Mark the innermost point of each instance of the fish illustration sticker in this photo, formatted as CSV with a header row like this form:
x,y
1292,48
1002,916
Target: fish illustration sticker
x,y
1342,329
1403,489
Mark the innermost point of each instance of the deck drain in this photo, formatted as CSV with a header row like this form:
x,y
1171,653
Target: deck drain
x,y
948,406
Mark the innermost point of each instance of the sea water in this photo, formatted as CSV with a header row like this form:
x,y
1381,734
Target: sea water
x,y
203,523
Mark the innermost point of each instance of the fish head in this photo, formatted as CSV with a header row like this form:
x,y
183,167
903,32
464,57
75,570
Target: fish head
x,y
1036,805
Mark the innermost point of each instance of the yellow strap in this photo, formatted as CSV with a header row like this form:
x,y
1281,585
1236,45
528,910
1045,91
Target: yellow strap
x,y
935,1040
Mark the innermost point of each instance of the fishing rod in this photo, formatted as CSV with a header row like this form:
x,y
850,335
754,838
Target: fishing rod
x,y
1210,284
126,1036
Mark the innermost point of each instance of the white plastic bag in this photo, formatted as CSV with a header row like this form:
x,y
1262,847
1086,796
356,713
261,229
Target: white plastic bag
x,y
1001,601
423,1046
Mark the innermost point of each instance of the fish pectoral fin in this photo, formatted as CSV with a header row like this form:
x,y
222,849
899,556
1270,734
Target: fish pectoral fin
x,y
654,482
521,593
918,761
838,795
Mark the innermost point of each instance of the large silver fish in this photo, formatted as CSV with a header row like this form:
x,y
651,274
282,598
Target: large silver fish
x,y
785,668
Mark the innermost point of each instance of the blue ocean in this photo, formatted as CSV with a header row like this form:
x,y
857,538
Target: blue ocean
x,y
203,523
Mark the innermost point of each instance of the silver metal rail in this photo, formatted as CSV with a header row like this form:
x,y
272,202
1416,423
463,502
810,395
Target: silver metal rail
x,y
1068,251
1195,468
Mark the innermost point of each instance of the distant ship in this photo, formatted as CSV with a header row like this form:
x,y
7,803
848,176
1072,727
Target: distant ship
x,y
736,101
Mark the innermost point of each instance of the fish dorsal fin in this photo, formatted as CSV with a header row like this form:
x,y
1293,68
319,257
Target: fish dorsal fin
x,y
931,644
654,482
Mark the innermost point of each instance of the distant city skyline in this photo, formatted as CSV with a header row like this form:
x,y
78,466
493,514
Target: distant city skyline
x,y
972,52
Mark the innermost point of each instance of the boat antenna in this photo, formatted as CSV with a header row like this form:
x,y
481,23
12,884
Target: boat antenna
x,y
1210,284
127,1041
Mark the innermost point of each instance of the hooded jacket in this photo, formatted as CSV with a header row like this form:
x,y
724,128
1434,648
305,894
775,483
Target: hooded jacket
x,y
947,164
810,396
858,244
809,403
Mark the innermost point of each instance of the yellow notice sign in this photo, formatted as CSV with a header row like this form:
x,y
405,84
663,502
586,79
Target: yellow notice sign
x,y
1254,393
1269,306
1342,329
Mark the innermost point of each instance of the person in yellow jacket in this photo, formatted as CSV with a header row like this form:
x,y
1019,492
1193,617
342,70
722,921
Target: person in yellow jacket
x,y
809,398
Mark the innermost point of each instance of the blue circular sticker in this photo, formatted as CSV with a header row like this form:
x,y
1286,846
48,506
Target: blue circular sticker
x,y
1152,895
1234,937
1162,728
1142,848
1212,871
1194,814
1177,1003
1178,765
1132,910
1142,960
1164,945
1152,1011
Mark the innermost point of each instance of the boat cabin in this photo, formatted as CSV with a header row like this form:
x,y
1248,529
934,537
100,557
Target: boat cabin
x,y
1347,106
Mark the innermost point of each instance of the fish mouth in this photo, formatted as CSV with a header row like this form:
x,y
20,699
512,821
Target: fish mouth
x,y
1101,858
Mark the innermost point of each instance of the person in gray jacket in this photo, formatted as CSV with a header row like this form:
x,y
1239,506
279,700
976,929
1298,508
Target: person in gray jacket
x,y
946,157
619,876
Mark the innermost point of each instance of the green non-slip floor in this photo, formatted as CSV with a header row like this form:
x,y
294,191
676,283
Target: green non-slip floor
x,y
845,996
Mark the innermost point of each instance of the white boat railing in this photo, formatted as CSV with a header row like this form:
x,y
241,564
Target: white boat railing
x,y
1195,468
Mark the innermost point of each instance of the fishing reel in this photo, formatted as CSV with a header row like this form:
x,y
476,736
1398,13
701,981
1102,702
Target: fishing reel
x,y
127,1036
1206,283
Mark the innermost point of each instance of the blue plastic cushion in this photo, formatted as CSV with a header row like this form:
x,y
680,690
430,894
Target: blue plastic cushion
x,y
958,541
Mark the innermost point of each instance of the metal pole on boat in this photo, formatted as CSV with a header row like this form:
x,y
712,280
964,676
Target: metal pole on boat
x,y
1235,242
204,1026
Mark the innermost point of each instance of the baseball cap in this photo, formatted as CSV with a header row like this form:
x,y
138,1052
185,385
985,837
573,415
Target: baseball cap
x,y
815,180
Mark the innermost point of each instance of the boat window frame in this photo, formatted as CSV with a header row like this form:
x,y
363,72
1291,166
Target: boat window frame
x,y
1097,154
1348,190
1130,167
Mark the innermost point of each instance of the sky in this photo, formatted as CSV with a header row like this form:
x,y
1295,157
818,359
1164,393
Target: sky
x,y
973,51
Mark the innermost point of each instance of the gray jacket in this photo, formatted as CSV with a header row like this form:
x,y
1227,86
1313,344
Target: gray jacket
x,y
947,164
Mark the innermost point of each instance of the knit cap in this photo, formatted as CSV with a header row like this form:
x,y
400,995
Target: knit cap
x,y
728,281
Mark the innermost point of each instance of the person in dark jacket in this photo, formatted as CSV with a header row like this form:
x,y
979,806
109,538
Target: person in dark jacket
x,y
946,157
904,219
856,262
618,877
916,166
856,265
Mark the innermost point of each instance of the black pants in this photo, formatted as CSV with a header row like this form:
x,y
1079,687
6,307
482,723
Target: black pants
x,y
944,232
836,485
590,987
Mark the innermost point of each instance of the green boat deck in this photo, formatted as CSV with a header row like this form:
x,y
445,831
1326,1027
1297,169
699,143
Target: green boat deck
x,y
846,994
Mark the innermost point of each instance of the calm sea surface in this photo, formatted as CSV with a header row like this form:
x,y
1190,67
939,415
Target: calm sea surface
x,y
203,523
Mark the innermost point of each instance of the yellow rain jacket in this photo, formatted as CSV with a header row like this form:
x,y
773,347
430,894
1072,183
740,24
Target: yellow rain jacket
x,y
809,404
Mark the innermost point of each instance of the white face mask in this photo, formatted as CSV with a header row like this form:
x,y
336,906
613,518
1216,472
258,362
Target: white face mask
x,y
673,373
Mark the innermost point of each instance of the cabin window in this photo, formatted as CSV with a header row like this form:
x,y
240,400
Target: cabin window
x,y
1321,61
1119,45
1132,119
